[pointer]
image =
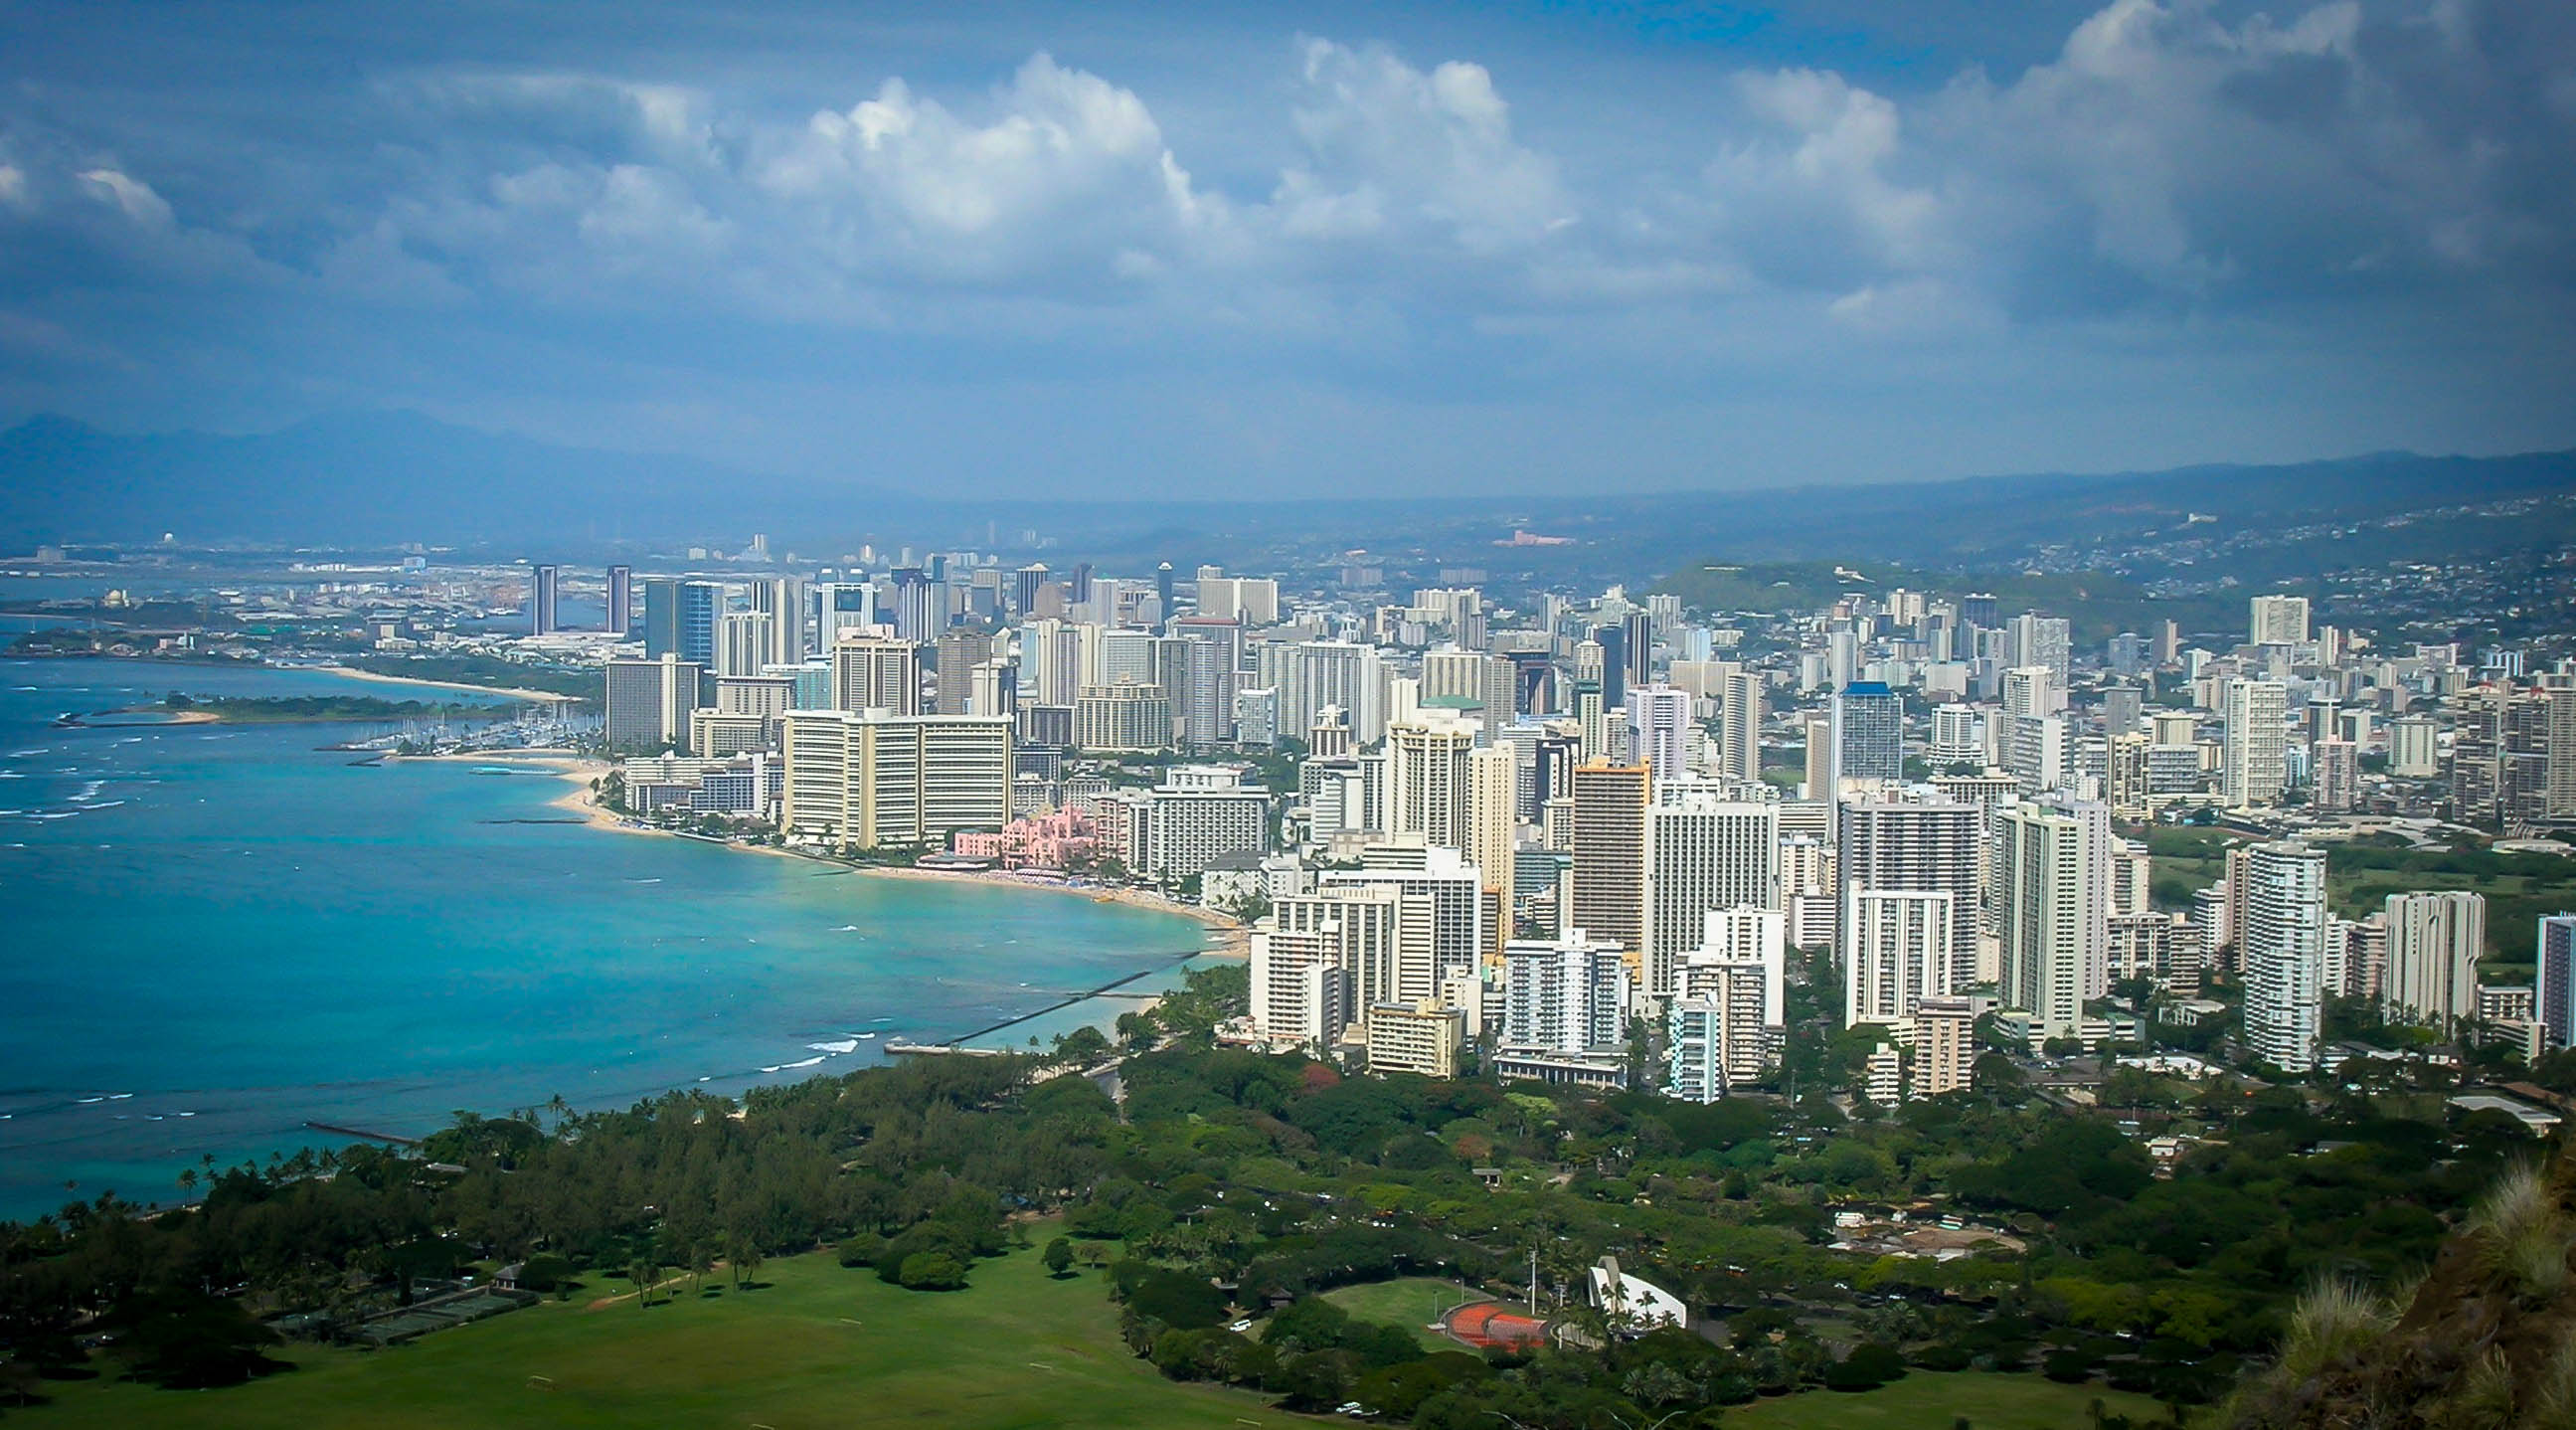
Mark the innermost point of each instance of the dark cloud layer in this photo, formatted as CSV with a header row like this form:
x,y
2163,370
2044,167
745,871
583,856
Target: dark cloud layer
x,y
1137,252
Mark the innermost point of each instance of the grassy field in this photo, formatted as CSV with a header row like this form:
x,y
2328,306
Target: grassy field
x,y
820,1346
1407,1301
1926,1400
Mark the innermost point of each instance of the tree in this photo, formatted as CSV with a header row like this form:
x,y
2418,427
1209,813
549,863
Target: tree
x,y
1059,1257
640,1272
931,1271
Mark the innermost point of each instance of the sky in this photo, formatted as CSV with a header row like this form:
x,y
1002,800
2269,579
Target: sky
x,y
1119,251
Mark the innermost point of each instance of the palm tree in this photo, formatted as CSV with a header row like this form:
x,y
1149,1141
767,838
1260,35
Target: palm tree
x,y
187,1183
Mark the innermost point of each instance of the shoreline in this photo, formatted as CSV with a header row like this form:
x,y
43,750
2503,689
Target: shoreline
x,y
542,697
1229,939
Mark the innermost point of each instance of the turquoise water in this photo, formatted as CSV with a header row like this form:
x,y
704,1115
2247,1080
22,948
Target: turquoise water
x,y
214,935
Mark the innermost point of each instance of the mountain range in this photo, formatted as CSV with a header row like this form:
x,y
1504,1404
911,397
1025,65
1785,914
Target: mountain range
x,y
384,478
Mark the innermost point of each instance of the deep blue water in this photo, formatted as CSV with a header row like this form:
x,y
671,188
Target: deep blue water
x,y
212,935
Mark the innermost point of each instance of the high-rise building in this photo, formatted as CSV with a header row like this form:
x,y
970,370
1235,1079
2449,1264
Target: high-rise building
x,y
1442,931
648,702
1896,952
621,600
1613,641
680,619
1567,995
841,607
1493,815
782,600
2041,640
2413,751
1945,1045
1921,846
2052,911
2279,620
874,673
1821,762
543,595
2434,940
1869,732
2500,756
1605,890
743,642
2554,953
2123,708
2282,950
1427,778
2254,766
1740,969
2338,774
917,614
1705,852
1125,716
876,780
1471,675
1739,741
1659,721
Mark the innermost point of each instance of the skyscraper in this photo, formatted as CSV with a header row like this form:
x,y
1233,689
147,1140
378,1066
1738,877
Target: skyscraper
x,y
648,702
917,617
2554,953
2255,761
680,619
1659,721
1704,853
1605,893
542,592
2041,640
1920,846
2282,946
1427,779
1869,732
874,673
621,600
1613,640
1896,952
2051,911
1739,741
2434,940
2278,620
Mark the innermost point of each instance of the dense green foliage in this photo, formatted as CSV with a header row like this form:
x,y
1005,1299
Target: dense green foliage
x,y
1233,1190
284,709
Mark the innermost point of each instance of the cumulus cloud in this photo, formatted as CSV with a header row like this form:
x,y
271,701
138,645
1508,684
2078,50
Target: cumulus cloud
x,y
1061,170
1393,152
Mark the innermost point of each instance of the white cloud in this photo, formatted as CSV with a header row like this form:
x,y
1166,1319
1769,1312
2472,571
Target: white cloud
x,y
1063,171
128,195
1393,151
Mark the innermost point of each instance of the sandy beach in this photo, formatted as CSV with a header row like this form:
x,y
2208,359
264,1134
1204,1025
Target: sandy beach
x,y
1229,939
546,697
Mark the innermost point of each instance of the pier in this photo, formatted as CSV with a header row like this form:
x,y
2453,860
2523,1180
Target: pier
x,y
361,1134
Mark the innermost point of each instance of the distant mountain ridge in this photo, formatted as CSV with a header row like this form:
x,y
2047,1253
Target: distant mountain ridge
x,y
382,478
374,478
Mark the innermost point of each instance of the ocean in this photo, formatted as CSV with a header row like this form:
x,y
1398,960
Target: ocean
x,y
214,935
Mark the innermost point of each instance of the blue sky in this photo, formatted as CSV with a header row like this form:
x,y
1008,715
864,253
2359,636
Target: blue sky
x,y
1220,249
